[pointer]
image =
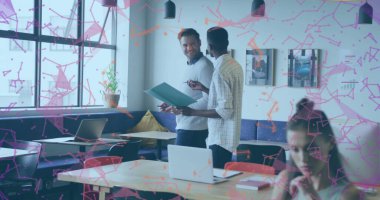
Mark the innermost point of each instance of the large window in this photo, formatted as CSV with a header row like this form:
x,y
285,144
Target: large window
x,y
54,52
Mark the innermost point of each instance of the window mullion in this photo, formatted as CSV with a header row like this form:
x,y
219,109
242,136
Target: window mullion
x,y
37,24
114,37
80,24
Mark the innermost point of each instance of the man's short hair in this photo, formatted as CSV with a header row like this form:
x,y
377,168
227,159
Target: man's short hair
x,y
188,32
218,38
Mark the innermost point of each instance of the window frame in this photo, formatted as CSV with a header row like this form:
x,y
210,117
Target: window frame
x,y
80,42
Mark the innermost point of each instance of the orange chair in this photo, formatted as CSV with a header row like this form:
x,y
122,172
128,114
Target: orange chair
x,y
88,193
250,167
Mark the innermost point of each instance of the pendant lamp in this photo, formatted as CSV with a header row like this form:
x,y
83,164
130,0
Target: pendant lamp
x,y
258,8
365,14
169,10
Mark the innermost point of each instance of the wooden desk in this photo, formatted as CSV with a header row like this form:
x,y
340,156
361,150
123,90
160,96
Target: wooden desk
x,y
10,152
154,176
82,145
158,135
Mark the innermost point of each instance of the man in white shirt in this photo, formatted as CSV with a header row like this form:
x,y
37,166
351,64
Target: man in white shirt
x,y
225,99
192,130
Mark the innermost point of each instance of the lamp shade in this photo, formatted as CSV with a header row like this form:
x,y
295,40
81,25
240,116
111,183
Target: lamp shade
x,y
169,10
109,3
258,8
365,14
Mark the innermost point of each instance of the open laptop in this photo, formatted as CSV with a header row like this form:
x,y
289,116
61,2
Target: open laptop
x,y
90,130
193,164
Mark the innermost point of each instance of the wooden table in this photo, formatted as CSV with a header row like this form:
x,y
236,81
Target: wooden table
x,y
82,145
154,176
158,135
10,152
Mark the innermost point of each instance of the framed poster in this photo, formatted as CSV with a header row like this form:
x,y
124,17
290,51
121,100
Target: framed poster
x,y
259,67
303,68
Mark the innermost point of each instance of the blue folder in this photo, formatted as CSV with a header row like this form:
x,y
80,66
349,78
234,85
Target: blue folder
x,y
170,95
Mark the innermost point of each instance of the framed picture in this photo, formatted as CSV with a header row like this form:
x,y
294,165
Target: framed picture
x,y
259,67
303,68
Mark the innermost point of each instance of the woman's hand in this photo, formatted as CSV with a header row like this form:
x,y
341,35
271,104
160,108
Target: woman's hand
x,y
303,184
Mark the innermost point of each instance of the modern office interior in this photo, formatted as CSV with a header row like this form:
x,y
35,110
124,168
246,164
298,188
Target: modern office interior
x,y
78,66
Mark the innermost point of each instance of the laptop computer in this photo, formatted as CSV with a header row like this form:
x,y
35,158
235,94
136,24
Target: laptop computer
x,y
193,164
90,130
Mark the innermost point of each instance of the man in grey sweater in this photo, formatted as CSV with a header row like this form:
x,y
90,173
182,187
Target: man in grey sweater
x,y
192,130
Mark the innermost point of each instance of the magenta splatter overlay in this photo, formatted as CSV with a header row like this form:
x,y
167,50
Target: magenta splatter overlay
x,y
342,84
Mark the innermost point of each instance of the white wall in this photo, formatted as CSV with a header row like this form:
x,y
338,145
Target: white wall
x,y
131,54
327,25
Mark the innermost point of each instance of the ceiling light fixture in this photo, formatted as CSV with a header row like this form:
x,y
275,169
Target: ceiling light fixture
x,y
365,14
258,8
169,10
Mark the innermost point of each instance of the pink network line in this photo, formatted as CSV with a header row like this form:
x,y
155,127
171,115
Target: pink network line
x,y
371,36
266,40
331,15
20,46
331,41
6,72
243,23
91,96
372,54
149,8
305,11
307,43
63,17
18,80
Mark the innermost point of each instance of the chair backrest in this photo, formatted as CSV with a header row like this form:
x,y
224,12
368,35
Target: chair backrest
x,y
262,154
127,150
102,160
250,167
127,193
22,166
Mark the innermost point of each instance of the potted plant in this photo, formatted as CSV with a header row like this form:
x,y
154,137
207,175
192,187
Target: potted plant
x,y
111,97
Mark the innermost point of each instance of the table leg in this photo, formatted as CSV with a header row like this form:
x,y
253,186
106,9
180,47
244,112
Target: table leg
x,y
82,154
159,149
102,191
82,149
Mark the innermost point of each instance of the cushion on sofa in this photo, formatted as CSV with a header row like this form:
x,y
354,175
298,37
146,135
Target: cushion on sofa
x,y
248,129
271,130
166,119
148,123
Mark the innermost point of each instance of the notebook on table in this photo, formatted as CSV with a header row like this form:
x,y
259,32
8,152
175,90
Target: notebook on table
x,y
255,182
252,185
90,130
194,164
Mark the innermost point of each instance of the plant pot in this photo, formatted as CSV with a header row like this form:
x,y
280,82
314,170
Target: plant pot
x,y
112,100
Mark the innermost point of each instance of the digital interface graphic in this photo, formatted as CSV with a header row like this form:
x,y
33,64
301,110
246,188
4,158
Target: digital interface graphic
x,y
57,56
